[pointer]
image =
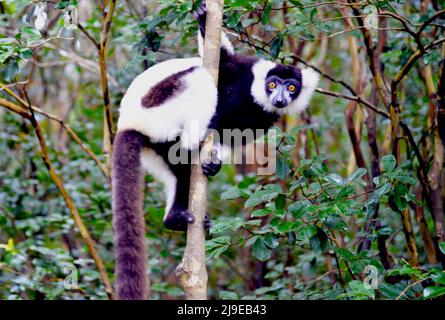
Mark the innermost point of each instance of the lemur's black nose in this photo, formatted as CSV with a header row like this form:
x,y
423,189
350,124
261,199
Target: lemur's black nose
x,y
279,103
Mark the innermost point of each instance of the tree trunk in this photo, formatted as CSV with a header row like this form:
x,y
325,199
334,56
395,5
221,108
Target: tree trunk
x,y
192,271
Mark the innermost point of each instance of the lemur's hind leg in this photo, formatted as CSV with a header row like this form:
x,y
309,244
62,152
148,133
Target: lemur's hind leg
x,y
178,217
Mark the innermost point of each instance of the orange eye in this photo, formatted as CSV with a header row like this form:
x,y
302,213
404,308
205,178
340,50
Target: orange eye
x,y
272,85
291,88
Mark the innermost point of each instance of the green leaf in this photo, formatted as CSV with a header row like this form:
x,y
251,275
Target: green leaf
x,y
216,252
228,295
33,33
266,14
260,197
282,168
439,277
25,53
296,184
286,226
271,240
405,179
313,14
12,69
306,232
280,202
5,55
319,241
275,46
433,292
388,163
247,182
233,19
358,287
390,290
251,240
261,251
167,288
296,3
274,187
261,212
442,247
345,254
406,270
222,240
360,172
379,192
335,179
298,209
231,193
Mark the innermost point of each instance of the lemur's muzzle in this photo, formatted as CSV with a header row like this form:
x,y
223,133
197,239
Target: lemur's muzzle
x,y
280,100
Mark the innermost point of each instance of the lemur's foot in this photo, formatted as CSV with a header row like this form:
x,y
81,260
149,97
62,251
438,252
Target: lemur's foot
x,y
178,219
211,167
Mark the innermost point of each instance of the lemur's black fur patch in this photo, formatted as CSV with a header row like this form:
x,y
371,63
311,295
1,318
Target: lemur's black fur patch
x,y
285,72
166,89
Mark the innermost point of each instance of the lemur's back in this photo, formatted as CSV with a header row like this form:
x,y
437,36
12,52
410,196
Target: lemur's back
x,y
169,97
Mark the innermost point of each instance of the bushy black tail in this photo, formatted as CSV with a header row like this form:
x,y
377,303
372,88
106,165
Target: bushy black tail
x,y
132,282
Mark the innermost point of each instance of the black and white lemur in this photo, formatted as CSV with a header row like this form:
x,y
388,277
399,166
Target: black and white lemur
x,y
159,109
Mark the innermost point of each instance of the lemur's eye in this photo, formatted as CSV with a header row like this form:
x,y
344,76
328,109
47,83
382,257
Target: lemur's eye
x,y
272,85
291,88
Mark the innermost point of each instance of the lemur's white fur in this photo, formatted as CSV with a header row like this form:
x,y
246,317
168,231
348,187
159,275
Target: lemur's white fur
x,y
182,115
158,168
225,43
309,81
186,115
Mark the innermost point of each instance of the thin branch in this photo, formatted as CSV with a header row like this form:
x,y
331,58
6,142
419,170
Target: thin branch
x,y
71,132
88,35
355,98
409,287
62,190
192,271
103,47
430,20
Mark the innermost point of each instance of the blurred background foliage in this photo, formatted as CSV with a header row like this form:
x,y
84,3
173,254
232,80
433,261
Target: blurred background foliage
x,y
354,211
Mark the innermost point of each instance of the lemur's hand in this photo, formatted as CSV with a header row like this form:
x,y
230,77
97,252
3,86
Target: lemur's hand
x,y
207,222
211,167
200,11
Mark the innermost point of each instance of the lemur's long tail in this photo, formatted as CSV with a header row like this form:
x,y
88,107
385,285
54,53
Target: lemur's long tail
x,y
132,282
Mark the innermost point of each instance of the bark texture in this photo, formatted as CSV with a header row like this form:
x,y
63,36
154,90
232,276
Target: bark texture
x,y
192,271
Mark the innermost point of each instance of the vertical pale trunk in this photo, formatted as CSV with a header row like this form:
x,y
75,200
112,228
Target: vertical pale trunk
x,y
192,271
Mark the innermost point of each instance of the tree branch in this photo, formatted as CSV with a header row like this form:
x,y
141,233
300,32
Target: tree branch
x,y
192,270
62,190
17,109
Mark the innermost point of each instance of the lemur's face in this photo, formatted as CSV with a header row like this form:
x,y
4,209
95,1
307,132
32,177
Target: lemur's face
x,y
283,85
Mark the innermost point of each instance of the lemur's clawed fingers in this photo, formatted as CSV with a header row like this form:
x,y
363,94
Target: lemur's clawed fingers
x,y
201,10
207,222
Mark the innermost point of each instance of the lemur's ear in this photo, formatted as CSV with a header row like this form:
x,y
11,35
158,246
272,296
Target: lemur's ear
x,y
310,78
309,82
